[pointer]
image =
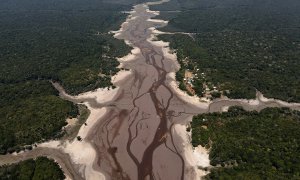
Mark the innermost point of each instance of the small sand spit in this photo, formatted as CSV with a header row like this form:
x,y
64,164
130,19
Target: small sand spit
x,y
261,98
132,56
81,152
195,157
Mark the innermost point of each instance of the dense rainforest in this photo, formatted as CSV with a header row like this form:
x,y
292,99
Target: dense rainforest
x,y
38,169
31,112
65,41
240,46
250,145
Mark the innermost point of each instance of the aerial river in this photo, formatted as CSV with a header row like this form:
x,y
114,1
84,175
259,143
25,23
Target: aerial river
x,y
136,139
141,133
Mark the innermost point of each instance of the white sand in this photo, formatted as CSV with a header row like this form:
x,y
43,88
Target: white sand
x,y
202,156
180,130
135,52
101,95
72,121
157,2
120,76
225,108
81,152
158,21
252,102
67,177
171,76
261,98
194,157
95,114
157,32
51,144
124,24
153,12
84,154
163,45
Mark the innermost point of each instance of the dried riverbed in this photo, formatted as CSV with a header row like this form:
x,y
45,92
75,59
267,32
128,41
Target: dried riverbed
x,y
137,131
